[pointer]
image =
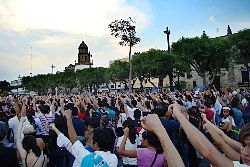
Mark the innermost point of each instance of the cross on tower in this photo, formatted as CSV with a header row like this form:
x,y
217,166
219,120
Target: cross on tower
x,y
52,66
167,32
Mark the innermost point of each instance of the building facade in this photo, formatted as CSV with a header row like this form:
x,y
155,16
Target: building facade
x,y
84,58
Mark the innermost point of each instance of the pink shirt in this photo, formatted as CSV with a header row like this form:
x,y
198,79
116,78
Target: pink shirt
x,y
145,158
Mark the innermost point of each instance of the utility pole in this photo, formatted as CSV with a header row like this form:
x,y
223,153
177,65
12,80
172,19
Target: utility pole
x,y
30,61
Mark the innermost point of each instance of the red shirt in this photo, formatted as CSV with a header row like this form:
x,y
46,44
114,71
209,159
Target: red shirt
x,y
209,114
82,115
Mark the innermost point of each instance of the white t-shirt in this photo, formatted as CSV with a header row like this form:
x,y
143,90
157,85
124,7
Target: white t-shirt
x,y
13,124
131,112
224,120
79,152
128,146
122,118
237,164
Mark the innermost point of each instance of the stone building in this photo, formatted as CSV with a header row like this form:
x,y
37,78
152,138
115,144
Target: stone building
x,y
84,59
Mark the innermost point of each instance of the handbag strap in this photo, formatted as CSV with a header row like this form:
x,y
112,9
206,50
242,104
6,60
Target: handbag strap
x,y
156,154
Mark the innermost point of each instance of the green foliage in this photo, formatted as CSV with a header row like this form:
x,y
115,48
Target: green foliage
x,y
205,55
241,45
118,71
68,79
4,87
125,30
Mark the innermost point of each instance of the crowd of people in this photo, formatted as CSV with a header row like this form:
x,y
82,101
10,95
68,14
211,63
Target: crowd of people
x,y
173,129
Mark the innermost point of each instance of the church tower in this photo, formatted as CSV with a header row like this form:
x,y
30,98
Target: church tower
x,y
84,55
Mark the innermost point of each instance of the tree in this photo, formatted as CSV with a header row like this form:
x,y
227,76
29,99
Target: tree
x,y
4,87
125,30
206,55
91,78
117,72
154,63
141,67
241,48
241,45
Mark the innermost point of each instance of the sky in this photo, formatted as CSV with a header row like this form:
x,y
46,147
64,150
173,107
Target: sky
x,y
50,31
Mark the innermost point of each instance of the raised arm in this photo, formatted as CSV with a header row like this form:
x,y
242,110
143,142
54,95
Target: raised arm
x,y
71,130
232,143
121,151
199,141
230,153
152,123
22,152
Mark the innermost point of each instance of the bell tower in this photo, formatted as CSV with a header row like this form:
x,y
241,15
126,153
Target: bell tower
x,y
83,55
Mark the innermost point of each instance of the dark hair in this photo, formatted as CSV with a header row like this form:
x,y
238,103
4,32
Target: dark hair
x,y
105,105
44,109
132,131
74,111
213,99
147,104
189,98
244,132
162,108
29,142
153,141
235,102
137,114
194,111
231,113
94,122
134,103
104,139
208,103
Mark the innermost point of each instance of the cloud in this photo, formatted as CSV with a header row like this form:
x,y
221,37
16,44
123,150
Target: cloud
x,y
55,28
212,19
75,16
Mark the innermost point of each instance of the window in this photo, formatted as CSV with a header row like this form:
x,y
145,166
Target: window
x,y
245,76
112,86
118,86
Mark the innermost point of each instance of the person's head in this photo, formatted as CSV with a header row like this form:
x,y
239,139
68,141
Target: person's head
x,y
137,114
235,102
30,144
74,111
44,109
226,111
105,106
194,111
132,131
150,139
3,130
101,139
208,104
147,105
162,109
133,103
92,124
244,138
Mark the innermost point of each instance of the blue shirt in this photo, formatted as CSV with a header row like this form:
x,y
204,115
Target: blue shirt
x,y
238,119
172,127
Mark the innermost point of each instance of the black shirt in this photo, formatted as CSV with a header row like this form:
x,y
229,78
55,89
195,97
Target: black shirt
x,y
8,156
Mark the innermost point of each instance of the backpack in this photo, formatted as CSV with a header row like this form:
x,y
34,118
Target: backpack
x,y
93,160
